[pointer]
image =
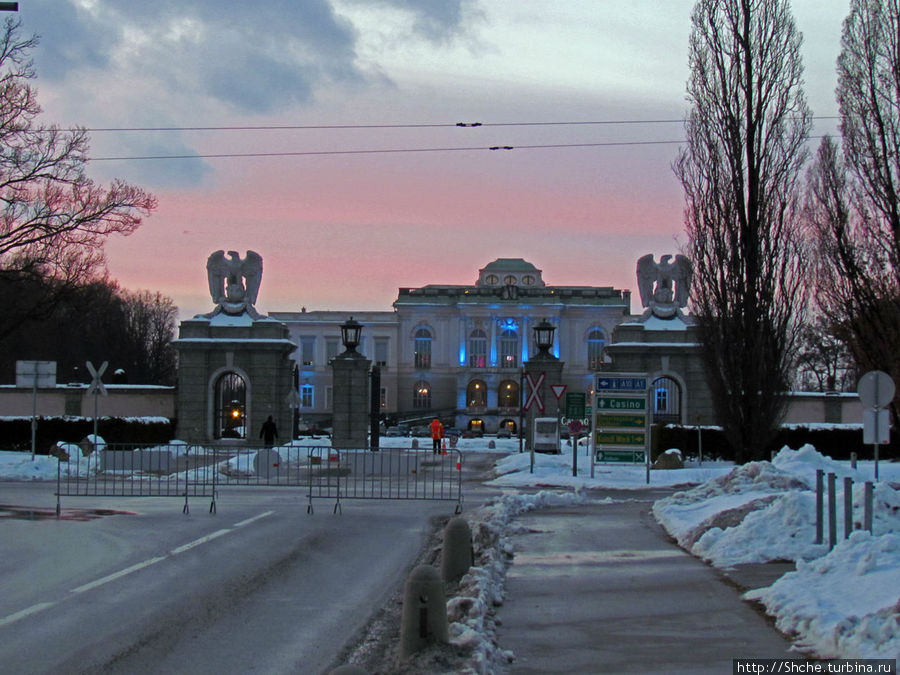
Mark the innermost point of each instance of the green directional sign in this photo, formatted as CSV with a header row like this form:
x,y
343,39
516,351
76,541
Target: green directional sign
x,y
625,456
620,403
575,404
620,438
616,420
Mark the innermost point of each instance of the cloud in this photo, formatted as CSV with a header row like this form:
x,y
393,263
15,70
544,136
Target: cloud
x,y
436,20
255,56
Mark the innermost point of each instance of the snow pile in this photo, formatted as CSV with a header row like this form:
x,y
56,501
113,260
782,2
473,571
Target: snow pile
x,y
470,612
845,604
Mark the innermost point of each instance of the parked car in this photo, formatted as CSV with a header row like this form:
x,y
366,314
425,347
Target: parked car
x,y
420,432
504,433
398,431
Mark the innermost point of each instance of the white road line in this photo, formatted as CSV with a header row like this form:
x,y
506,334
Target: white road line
x,y
254,519
201,540
119,574
34,609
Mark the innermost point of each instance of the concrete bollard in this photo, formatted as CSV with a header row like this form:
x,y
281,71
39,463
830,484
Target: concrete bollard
x,y
457,555
415,444
348,669
424,619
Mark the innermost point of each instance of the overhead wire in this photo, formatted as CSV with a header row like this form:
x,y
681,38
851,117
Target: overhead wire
x,y
381,151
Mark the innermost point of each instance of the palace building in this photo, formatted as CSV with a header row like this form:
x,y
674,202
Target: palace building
x,y
457,351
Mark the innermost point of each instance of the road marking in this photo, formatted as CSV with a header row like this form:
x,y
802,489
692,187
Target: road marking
x,y
254,519
39,607
34,609
119,574
201,540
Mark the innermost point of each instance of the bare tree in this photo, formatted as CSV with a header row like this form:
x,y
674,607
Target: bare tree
x,y
150,320
746,135
853,203
53,218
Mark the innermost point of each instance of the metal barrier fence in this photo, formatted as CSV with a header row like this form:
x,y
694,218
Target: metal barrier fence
x,y
180,470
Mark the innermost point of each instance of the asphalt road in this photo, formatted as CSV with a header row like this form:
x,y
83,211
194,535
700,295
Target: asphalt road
x,y
259,587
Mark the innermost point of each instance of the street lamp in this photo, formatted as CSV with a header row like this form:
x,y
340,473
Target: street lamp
x,y
350,331
543,337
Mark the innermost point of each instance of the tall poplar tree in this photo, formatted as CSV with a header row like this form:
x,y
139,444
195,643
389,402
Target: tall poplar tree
x,y
854,196
746,133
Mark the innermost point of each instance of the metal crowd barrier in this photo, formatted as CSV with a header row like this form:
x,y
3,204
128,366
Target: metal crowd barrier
x,y
180,470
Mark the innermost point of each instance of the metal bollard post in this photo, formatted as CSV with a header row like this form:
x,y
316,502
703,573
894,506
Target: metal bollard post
x,y
457,554
867,507
820,506
853,460
848,506
832,511
424,619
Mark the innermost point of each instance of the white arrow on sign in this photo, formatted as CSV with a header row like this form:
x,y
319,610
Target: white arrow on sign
x,y
97,386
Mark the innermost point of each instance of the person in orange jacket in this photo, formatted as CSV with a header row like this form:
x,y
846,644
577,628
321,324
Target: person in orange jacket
x,y
437,433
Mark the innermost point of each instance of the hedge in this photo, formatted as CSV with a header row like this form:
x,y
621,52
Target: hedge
x,y
15,432
835,441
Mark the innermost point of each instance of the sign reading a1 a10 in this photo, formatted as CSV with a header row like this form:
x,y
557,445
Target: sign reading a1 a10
x,y
614,383
575,405
620,403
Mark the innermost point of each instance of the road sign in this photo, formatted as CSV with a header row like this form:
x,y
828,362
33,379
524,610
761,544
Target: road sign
x,y
625,456
575,404
876,426
876,389
617,420
97,386
558,390
621,438
535,396
615,383
41,374
621,403
576,427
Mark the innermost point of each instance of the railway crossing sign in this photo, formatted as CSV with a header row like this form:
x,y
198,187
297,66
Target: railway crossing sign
x,y
534,397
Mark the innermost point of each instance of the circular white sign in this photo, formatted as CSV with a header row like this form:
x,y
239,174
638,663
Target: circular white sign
x,y
876,389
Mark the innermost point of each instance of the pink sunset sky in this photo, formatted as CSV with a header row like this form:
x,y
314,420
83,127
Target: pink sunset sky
x,y
345,231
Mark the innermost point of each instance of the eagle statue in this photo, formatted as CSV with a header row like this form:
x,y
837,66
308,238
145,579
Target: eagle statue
x,y
234,281
664,286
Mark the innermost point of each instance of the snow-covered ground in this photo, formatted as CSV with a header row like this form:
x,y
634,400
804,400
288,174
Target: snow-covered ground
x,y
838,603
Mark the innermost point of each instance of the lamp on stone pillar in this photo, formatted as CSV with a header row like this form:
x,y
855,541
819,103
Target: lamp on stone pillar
x,y
543,338
350,401
350,332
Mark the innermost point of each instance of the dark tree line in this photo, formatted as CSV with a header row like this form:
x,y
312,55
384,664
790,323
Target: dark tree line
x,y
98,322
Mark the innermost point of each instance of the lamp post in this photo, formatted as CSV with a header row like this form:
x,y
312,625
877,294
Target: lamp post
x,y
543,338
350,372
544,370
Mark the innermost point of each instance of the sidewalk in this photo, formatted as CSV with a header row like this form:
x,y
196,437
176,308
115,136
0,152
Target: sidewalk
x,y
601,589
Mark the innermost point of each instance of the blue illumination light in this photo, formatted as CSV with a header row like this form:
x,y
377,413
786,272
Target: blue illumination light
x,y
462,353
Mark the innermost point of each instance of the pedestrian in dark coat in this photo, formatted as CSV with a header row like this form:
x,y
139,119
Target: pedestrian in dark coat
x,y
269,432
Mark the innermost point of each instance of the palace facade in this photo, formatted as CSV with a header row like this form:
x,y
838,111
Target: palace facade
x,y
457,351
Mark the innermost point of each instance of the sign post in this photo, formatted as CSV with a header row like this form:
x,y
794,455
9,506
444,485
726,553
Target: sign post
x,y
96,388
35,374
621,433
876,390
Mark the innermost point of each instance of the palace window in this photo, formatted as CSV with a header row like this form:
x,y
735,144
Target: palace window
x,y
422,395
508,348
381,352
307,350
478,349
508,394
476,394
306,396
422,347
